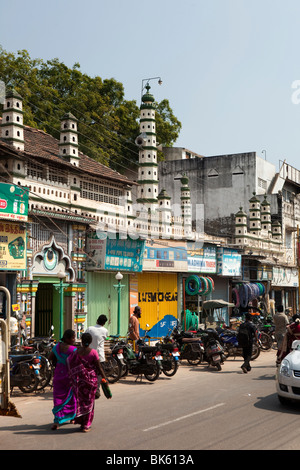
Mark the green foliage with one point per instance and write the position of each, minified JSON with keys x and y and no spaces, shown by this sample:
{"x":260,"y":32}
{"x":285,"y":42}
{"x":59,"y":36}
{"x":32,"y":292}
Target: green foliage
{"x":107,"y":123}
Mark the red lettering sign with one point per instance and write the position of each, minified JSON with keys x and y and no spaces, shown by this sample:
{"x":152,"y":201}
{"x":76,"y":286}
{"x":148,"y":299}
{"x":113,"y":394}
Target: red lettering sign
{"x":3,"y":204}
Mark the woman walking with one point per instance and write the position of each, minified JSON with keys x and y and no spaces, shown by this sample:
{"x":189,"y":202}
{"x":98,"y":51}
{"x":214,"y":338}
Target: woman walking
{"x":63,"y":397}
{"x":84,"y":366}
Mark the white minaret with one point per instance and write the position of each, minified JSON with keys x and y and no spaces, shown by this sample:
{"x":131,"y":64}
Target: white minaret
{"x":68,"y":145}
{"x":241,"y":230}
{"x":164,"y":209}
{"x":147,"y":192}
{"x":12,"y":127}
{"x":186,"y":207}
{"x":254,"y":216}
{"x":266,"y":221}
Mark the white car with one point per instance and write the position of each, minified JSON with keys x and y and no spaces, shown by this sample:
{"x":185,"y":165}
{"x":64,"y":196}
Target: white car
{"x":288,"y":376}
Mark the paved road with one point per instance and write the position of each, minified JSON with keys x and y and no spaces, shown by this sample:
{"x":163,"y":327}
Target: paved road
{"x":199,"y":408}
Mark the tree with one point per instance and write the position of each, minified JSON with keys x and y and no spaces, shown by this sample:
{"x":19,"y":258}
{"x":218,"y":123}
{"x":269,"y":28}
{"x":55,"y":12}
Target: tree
{"x":107,"y":123}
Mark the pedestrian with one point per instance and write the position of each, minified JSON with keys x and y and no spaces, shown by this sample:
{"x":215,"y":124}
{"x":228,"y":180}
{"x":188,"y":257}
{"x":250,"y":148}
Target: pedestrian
{"x":246,"y":335}
{"x":84,"y":366}
{"x":134,"y":324}
{"x":292,"y":334}
{"x":281,"y":321}
{"x":99,"y":334}
{"x":63,"y":398}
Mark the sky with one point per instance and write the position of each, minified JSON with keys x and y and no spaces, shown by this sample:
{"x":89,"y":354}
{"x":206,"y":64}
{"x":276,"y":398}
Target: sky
{"x":230,"y":68}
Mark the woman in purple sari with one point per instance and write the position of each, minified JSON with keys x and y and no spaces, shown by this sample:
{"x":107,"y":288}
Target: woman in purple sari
{"x":63,"y":397}
{"x":84,"y":366}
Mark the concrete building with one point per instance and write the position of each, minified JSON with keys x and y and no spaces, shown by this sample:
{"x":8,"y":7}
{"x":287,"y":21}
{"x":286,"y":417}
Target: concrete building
{"x":266,"y":200}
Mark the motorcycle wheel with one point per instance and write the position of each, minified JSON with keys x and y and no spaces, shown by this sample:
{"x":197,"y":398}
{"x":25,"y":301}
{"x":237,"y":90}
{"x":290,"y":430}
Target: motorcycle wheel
{"x":155,"y":374}
{"x":195,"y":359}
{"x":266,"y":341}
{"x":45,"y":373}
{"x":173,"y":370}
{"x":112,"y":370}
{"x":218,"y":366}
{"x":255,"y":352}
{"x":32,"y":385}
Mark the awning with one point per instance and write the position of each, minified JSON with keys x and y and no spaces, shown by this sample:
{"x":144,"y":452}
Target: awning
{"x":212,"y":304}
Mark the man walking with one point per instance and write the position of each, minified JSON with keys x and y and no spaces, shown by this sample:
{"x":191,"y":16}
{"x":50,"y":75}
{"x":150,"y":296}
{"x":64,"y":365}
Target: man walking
{"x":99,"y":333}
{"x":281,"y":321}
{"x":246,"y":335}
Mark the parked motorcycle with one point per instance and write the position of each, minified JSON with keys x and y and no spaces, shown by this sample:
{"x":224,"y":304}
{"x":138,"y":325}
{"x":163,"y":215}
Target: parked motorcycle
{"x":114,"y":363}
{"x":170,"y":356}
{"x":228,"y":339}
{"x":146,"y":361}
{"x":24,"y":372}
{"x":43,"y":346}
{"x":213,"y":351}
{"x":189,"y":345}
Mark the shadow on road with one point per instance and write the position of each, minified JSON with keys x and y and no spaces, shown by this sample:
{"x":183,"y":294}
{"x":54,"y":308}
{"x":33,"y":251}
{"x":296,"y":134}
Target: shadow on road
{"x":271,"y":403}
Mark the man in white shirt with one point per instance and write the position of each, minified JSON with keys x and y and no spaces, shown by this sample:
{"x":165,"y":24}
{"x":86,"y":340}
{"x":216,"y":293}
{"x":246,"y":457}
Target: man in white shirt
{"x":99,"y":333}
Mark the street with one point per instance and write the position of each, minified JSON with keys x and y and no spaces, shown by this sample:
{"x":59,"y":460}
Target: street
{"x":197,"y":409}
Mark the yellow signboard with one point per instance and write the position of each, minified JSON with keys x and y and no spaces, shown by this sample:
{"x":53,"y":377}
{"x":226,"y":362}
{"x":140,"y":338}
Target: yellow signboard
{"x":12,"y":246}
{"x":158,"y":299}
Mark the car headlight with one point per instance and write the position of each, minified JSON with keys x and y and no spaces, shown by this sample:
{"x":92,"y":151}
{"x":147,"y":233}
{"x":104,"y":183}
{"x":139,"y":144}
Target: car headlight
{"x":285,"y":368}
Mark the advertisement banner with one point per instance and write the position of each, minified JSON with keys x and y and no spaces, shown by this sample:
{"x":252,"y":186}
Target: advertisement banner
{"x":229,"y":262}
{"x":13,"y":202}
{"x":12,"y":247}
{"x":115,"y":254}
{"x":165,"y":256}
{"x":201,"y":258}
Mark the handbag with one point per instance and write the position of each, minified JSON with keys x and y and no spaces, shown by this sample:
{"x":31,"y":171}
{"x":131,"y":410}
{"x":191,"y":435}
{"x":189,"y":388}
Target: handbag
{"x":105,"y":388}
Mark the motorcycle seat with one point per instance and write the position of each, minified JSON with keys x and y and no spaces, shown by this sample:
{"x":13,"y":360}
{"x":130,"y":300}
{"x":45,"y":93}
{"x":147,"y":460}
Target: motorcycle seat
{"x":190,"y":340}
{"x":147,"y":349}
{"x":167,"y":346}
{"x":21,"y":357}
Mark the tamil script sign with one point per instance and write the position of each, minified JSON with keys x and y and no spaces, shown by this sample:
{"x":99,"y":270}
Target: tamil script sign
{"x":13,"y":202}
{"x":114,"y":254}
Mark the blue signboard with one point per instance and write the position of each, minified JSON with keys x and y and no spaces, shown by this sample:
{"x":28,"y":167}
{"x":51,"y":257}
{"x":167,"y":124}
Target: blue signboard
{"x":114,"y":253}
{"x":202,"y":258}
{"x":124,"y":254}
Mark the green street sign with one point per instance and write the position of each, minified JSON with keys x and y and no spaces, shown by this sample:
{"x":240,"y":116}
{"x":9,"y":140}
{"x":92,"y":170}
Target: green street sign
{"x":13,"y":202}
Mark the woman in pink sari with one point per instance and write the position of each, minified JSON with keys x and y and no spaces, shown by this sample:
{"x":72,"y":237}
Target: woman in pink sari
{"x":63,"y":397}
{"x":84,"y":366}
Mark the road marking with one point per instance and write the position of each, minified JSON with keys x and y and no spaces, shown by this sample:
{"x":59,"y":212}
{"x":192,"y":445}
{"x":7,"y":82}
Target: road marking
{"x":184,"y":417}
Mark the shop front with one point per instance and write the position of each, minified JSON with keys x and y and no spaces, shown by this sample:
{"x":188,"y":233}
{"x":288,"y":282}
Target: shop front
{"x":284,"y":288}
{"x":109,"y":255}
{"x":157,"y":289}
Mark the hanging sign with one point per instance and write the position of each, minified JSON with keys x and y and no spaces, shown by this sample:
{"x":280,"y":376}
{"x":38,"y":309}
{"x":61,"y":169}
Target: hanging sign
{"x":12,"y":246}
{"x":13,"y":202}
{"x":201,"y":258}
{"x":114,"y":254}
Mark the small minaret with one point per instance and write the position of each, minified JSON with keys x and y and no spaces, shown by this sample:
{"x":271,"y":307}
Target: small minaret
{"x":164,"y":208}
{"x":266,"y":223}
{"x":147,"y":192}
{"x":276,"y":231}
{"x":186,"y":207}
{"x":12,"y":127}
{"x":68,"y":145}
{"x":254,"y":217}
{"x":241,"y":230}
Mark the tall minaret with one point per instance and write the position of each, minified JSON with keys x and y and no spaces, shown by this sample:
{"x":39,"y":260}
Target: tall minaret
{"x":68,"y":145}
{"x":186,"y":207}
{"x":147,"y":192}
{"x":12,"y":126}
{"x":255,"y":216}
